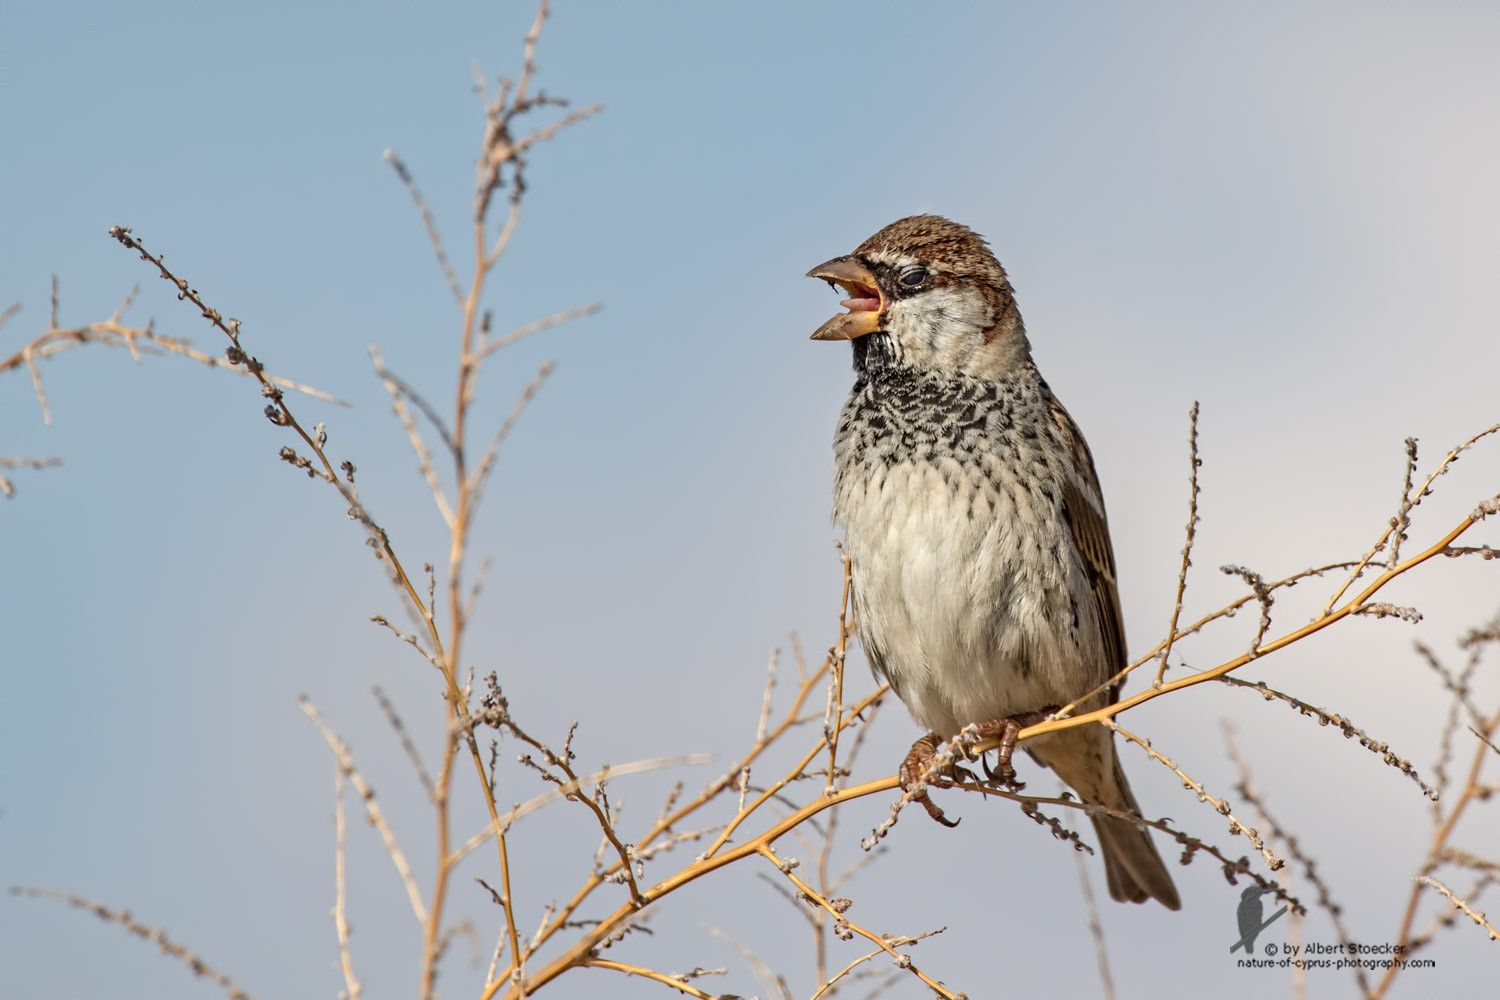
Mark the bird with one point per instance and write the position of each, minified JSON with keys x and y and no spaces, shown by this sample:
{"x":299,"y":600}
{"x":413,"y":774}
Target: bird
{"x":1248,"y":917}
{"x":983,"y":580}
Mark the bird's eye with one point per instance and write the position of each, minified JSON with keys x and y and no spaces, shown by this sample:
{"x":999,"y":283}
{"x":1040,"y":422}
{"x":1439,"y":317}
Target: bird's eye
{"x":913,"y":275}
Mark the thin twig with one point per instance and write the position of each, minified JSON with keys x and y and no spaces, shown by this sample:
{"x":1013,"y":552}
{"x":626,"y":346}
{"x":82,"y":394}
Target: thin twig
{"x":7,"y":462}
{"x":1262,"y":593}
{"x":1096,"y":929}
{"x":1478,"y":918}
{"x":521,"y":333}
{"x":1402,"y":520}
{"x":398,"y":391}
{"x":773,"y":983}
{"x":902,"y":961}
{"x":412,"y":753}
{"x":372,"y":808}
{"x":831,"y":721}
{"x":1221,"y":806}
{"x":352,"y":985}
{"x":433,"y":236}
{"x":487,"y":463}
{"x":112,"y":333}
{"x":155,"y":935}
{"x":1192,"y":532}
{"x":573,"y":787}
{"x":828,"y":988}
{"x":1227,"y":611}
{"x":1349,"y":729}
{"x":678,"y":983}
{"x":1416,"y":499}
{"x":1445,"y":826}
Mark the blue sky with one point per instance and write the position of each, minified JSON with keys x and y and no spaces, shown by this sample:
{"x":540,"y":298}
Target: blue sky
{"x":1286,"y":212}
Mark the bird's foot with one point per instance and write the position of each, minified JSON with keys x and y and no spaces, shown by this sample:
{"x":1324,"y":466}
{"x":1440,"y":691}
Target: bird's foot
{"x":1006,"y":730}
{"x":916,"y":764}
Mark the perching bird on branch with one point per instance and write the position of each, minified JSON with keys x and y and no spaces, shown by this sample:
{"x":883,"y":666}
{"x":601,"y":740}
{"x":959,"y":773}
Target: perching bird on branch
{"x":983,"y":576}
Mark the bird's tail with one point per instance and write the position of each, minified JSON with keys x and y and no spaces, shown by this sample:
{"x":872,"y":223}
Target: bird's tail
{"x":1132,"y":867}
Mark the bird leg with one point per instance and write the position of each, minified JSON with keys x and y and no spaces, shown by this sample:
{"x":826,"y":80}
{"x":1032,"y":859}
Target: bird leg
{"x":1006,"y":730}
{"x":916,"y":764}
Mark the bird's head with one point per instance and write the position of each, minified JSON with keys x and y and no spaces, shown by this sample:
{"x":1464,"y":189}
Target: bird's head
{"x":927,"y":293}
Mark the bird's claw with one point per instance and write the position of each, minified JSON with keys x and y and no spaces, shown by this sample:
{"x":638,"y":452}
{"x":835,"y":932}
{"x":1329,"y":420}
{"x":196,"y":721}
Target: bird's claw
{"x":1004,"y":775}
{"x":1006,"y":730}
{"x":914,"y":767}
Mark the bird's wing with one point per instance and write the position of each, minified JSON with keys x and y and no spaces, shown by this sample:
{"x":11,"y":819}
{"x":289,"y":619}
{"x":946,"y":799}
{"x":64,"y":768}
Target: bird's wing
{"x":1083,"y":509}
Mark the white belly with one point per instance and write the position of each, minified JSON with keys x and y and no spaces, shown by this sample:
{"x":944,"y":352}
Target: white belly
{"x":967,"y":593}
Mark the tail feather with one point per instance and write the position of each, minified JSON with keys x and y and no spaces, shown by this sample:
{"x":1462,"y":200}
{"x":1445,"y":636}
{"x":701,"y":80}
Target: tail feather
{"x":1132,"y":867}
{"x":1085,"y":759}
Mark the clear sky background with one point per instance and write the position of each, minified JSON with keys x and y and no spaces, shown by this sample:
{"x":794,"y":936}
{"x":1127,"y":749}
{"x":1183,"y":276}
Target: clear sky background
{"x":1285,"y":211}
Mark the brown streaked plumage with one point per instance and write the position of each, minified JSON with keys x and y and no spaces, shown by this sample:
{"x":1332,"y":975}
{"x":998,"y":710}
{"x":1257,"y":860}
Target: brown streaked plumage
{"x":983,"y":576}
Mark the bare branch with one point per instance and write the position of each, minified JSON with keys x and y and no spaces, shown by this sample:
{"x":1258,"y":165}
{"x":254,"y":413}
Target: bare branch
{"x":340,"y":918}
{"x":433,"y":236}
{"x":406,"y":744}
{"x":521,"y":333}
{"x":1192,"y":532}
{"x":1478,"y":918}
{"x":372,"y":809}
{"x":145,"y":932}
{"x":399,"y":389}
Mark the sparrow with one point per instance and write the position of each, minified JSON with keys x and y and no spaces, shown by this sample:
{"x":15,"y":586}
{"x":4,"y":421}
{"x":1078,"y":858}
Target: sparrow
{"x":983,"y":579}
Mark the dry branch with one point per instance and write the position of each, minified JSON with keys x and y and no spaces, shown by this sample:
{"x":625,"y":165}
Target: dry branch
{"x":146,"y":932}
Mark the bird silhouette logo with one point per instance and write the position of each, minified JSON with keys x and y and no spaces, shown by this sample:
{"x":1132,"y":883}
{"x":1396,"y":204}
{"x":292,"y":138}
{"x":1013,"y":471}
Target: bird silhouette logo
{"x":1249,"y":915}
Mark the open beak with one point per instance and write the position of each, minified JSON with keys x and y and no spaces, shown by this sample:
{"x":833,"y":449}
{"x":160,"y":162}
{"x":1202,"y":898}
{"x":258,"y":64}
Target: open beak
{"x":865,"y":303}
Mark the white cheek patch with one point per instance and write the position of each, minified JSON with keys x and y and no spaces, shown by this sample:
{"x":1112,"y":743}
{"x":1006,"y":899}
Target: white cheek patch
{"x":941,"y":328}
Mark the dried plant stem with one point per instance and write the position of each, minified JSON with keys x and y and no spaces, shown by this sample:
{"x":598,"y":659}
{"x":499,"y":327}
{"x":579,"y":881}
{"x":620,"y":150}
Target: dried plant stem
{"x":665,"y":823}
{"x":1096,"y":929}
{"x":432,"y":926}
{"x":1222,"y":806}
{"x":136,"y":340}
{"x":1192,"y":532}
{"x":7,"y":462}
{"x":398,"y":392}
{"x":585,"y":946}
{"x":1342,"y":723}
{"x":352,"y":985}
{"x":406,"y":743}
{"x":807,"y":891}
{"x":792,"y":774}
{"x":1399,"y":522}
{"x":572,"y":787}
{"x":596,"y":804}
{"x":828,"y":986}
{"x":521,"y":333}
{"x":1226,"y":611}
{"x":680,"y":985}
{"x":433,"y":235}
{"x":1478,"y":918}
{"x":1471,"y":791}
{"x":1353,"y":606}
{"x":774,"y":984}
{"x":498,"y":152}
{"x":476,"y":484}
{"x":1402,"y":520}
{"x":155,"y":935}
{"x":372,"y":808}
{"x":831,"y":720}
